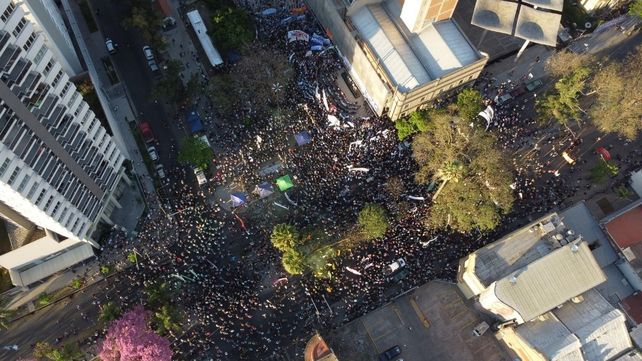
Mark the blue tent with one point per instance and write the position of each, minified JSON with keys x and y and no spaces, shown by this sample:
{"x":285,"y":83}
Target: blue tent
{"x":194,"y":121}
{"x":238,"y":199}
{"x":302,"y":138}
{"x":264,"y":189}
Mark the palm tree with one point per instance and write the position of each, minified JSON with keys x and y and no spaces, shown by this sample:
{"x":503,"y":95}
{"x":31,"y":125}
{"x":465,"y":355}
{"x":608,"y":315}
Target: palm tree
{"x":284,"y":237}
{"x":451,"y":171}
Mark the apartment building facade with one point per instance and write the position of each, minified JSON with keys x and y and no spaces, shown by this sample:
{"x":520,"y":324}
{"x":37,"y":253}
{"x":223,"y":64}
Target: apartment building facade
{"x":60,"y":172}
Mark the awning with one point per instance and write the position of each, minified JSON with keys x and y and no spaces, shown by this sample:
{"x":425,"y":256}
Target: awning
{"x":238,"y":199}
{"x":194,"y":121}
{"x":302,"y":138}
{"x":284,"y":183}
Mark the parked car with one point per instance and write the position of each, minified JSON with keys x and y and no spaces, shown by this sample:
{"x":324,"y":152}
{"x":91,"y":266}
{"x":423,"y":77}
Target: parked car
{"x":149,"y":55}
{"x":152,"y":65}
{"x":390,"y":353}
{"x":396,"y":271}
{"x":146,"y":132}
{"x":111,"y":47}
{"x":160,"y":171}
{"x":533,"y":85}
{"x":503,"y":98}
{"x":153,"y":154}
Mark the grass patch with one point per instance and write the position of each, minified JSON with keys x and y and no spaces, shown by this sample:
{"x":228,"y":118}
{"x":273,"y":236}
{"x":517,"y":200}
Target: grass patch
{"x":89,"y":17}
{"x":44,"y":299}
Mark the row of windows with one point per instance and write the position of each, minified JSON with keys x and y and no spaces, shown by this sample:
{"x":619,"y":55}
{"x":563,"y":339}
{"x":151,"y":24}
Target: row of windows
{"x":30,"y":40}
{"x":6,"y":14}
{"x":18,"y":29}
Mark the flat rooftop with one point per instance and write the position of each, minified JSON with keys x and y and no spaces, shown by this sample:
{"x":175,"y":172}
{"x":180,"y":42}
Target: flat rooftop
{"x":429,"y":323}
{"x":520,"y":248}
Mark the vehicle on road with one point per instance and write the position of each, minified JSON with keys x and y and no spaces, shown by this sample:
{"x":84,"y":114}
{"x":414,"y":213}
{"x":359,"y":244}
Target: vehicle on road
{"x":146,"y":132}
{"x":149,"y":56}
{"x":200,"y":176}
{"x":397,"y":270}
{"x":502,"y":99}
{"x":390,"y":353}
{"x":534,"y":85}
{"x":153,"y":154}
{"x":111,"y":47}
{"x":160,"y":171}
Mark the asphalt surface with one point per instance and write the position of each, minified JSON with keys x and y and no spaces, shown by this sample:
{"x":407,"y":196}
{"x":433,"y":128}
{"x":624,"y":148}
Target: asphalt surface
{"x":132,"y":69}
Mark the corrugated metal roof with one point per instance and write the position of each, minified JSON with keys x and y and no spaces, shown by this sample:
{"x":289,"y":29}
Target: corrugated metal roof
{"x":443,"y":48}
{"x":549,"y":336}
{"x":401,"y":63}
{"x":550,"y":281}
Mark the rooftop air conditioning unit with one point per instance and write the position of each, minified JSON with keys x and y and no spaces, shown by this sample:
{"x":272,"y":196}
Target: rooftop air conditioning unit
{"x":578,"y":299}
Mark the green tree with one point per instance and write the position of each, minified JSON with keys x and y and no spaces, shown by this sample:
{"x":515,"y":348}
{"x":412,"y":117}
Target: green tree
{"x":76,"y":283}
{"x":67,"y":352}
{"x":602,"y":171}
{"x":469,"y":104}
{"x":105,"y":270}
{"x":474,"y":175}
{"x":285,"y":237}
{"x":232,"y":28}
{"x":563,"y":63}
{"x":635,"y":8}
{"x":618,"y":88}
{"x":373,"y":221}
{"x":109,"y":311}
{"x":563,"y":104}
{"x":166,"y":320}
{"x":132,"y":257}
{"x":44,"y":299}
{"x":293,"y":262}
{"x":159,"y":294}
{"x":5,"y":317}
{"x":171,"y":86}
{"x":195,"y":152}
{"x":418,"y":121}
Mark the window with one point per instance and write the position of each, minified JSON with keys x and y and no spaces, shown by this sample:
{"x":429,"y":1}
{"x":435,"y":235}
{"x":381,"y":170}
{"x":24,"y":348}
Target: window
{"x":40,"y":54}
{"x":40,"y":196}
{"x":63,"y":214}
{"x":56,"y":79}
{"x":32,"y":190}
{"x":4,"y":167}
{"x":55,"y":208}
{"x":49,"y":201}
{"x":7,"y":12}
{"x":48,"y":67}
{"x":27,"y":45}
{"x":65,"y":89}
{"x":23,"y":182}
{"x":21,"y":25}
{"x":14,"y":175}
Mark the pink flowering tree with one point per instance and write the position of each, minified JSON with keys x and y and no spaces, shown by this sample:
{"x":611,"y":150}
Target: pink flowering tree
{"x":130,"y":339}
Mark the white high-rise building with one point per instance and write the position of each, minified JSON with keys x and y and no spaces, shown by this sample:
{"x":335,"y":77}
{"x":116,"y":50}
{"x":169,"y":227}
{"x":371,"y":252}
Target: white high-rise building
{"x":60,"y":172}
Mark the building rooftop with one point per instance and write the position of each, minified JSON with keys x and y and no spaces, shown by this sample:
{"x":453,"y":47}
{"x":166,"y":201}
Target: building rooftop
{"x":550,"y":281}
{"x":519,"y":248}
{"x":429,"y":323}
{"x":589,"y":329}
{"x":625,"y":228}
{"x":410,"y":59}
{"x":632,"y":305}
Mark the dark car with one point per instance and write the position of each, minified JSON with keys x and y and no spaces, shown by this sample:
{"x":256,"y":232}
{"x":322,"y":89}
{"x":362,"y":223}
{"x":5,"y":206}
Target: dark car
{"x":390,"y":353}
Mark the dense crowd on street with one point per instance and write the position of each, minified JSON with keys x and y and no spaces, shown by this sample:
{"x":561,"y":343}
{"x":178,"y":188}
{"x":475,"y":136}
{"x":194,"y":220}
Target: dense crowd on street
{"x":236,"y":299}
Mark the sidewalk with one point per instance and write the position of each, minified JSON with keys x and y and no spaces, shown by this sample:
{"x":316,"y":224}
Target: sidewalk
{"x":180,"y":46}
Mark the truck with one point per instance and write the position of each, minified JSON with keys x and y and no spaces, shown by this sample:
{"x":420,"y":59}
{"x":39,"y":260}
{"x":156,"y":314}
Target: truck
{"x":146,"y":132}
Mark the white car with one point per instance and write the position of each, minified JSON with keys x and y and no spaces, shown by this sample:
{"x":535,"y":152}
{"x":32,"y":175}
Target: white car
{"x":148,"y":52}
{"x":153,"y":154}
{"x":200,"y":176}
{"x":397,"y":265}
{"x":111,"y":47}
{"x":160,"y":171}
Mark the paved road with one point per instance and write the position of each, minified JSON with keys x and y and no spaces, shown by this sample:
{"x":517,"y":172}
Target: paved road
{"x":132,"y":69}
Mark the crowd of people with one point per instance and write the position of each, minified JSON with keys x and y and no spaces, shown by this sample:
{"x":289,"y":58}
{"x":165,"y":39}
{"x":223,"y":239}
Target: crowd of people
{"x":236,"y":300}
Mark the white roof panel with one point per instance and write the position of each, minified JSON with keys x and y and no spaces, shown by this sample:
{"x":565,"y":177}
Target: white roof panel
{"x":71,"y":256}
{"x":443,"y":48}
{"x":398,"y":59}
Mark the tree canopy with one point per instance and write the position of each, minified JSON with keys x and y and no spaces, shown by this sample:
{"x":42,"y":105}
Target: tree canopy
{"x":373,"y":221}
{"x":635,"y":8}
{"x":130,"y":339}
{"x":293,"y":262}
{"x":563,"y":104}
{"x":618,"y":89}
{"x":469,"y":103}
{"x":474,"y":175}
{"x":416,"y":122}
{"x":564,"y":63}
{"x":284,"y":237}
{"x":195,"y":152}
{"x":232,"y":27}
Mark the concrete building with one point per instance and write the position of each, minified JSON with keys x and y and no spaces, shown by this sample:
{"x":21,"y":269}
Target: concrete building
{"x":401,"y":54}
{"x":47,"y":19}
{"x":553,"y":286}
{"x":60,"y":172}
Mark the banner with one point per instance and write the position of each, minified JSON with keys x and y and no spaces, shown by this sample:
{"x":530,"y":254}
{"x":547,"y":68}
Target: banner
{"x":294,"y":35}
